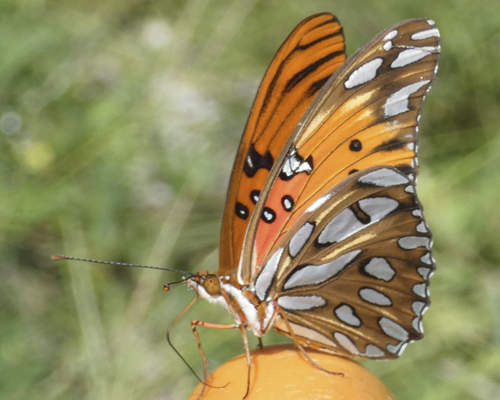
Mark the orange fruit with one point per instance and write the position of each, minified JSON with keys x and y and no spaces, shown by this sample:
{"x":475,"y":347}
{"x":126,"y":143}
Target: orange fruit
{"x":282,"y":372}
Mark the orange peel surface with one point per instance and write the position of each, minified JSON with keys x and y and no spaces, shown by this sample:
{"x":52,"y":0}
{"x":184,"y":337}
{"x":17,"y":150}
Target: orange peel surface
{"x":282,"y":372}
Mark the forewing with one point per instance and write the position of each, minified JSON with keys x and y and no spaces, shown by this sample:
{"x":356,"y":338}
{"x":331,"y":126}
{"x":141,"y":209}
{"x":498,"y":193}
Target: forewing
{"x":366,"y":115}
{"x":306,"y":60}
{"x":352,"y":274}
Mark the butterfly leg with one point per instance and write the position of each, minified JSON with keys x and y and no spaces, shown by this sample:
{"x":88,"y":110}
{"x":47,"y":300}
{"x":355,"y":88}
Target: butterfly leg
{"x":249,"y":361}
{"x":211,"y":325}
{"x":296,"y":342}
{"x":241,"y":327}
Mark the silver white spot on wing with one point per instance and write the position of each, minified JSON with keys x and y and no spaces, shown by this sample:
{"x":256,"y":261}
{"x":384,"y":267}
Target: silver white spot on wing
{"x":249,"y":162}
{"x":341,"y":226}
{"x":295,"y":164}
{"x":393,"y":329}
{"x":418,"y":307}
{"x":315,"y":274}
{"x":318,"y":203}
{"x":373,"y":351}
{"x":301,"y":302}
{"x":345,"y":223}
{"x":373,"y":296}
{"x":287,"y":203}
{"x":268,"y":216}
{"x":398,"y":348}
{"x":300,"y":238}
{"x":379,"y":268}
{"x":378,"y":207}
{"x":422,"y":228}
{"x":364,"y":73}
{"x":391,"y":35}
{"x":409,"y":189}
{"x":420,"y":289}
{"x":403,"y":347}
{"x":424,"y":272}
{"x":346,"y":343}
{"x":417,"y":213}
{"x":398,"y":102}
{"x":387,"y":45}
{"x":409,"y":56}
{"x":412,"y":242}
{"x":415,"y":323}
{"x":383,"y":177}
{"x":433,"y":32}
{"x":346,"y":314}
{"x":304,"y":332}
{"x":426,"y":258}
{"x":266,"y":274}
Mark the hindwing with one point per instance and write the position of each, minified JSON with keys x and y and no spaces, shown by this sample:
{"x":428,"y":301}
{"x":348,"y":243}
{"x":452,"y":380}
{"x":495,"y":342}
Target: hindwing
{"x":351,"y":276}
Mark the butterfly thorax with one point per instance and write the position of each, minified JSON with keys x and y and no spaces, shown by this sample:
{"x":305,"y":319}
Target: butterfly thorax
{"x":241,"y":302}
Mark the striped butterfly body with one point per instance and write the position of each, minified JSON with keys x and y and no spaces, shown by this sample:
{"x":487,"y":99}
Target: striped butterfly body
{"x":323,"y":238}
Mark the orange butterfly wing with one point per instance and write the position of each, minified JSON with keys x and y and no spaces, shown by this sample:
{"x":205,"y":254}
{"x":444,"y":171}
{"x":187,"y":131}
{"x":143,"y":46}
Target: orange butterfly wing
{"x":367,"y":114}
{"x":306,"y":60}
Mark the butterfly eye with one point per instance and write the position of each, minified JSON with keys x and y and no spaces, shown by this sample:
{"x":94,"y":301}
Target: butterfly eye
{"x":212,"y":285}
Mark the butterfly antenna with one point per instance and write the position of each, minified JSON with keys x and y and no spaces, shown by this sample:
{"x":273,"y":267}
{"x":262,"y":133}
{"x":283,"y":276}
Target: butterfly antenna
{"x":166,"y":286}
{"x":58,"y":257}
{"x":169,"y":330}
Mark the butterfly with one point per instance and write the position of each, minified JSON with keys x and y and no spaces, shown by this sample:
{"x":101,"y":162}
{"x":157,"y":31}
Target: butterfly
{"x":323,"y":237}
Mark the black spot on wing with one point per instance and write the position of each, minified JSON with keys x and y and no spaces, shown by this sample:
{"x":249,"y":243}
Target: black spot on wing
{"x":254,"y":196}
{"x":241,"y":211}
{"x":355,"y":145}
{"x":256,"y":161}
{"x":287,"y":202}
{"x":268,"y":215}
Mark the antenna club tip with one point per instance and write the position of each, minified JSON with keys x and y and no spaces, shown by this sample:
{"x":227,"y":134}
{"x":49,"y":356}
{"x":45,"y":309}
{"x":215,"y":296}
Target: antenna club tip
{"x":58,"y":257}
{"x":166,"y":288}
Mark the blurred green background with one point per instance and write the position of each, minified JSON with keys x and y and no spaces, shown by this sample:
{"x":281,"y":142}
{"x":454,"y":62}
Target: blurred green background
{"x":119,"y":122}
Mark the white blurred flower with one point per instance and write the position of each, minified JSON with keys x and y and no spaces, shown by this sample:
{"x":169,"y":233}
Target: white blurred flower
{"x":156,"y":34}
{"x":185,"y":107}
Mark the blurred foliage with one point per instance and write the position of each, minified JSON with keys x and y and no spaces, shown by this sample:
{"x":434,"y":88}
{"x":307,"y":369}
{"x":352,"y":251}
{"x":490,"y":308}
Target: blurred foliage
{"x":119,"y":122}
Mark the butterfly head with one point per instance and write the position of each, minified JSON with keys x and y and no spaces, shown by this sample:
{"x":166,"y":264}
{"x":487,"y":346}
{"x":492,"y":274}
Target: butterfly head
{"x":210,"y":283}
{"x":206,"y":285}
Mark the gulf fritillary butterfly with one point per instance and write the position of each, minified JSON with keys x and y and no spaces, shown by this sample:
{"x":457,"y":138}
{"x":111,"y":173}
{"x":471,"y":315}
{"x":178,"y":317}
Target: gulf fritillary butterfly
{"x":323,"y":238}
